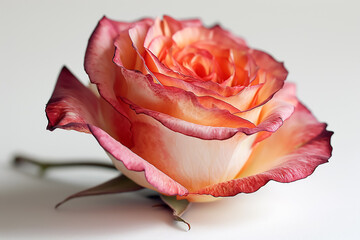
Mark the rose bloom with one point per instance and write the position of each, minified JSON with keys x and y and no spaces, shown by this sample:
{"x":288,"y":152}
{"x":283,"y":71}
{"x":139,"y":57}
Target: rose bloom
{"x":188,"y":110}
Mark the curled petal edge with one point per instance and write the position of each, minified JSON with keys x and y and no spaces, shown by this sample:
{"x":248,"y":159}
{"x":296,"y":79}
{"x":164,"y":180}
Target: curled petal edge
{"x":298,"y":164}
{"x":271,"y":124}
{"x":163,"y":183}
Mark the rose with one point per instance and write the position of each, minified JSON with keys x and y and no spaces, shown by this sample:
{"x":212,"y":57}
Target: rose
{"x":188,"y":110}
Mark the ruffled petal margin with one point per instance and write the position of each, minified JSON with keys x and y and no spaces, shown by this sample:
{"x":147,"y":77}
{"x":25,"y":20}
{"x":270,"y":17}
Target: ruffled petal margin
{"x":75,"y":107}
{"x":290,"y":154}
{"x":158,"y":180}
{"x":182,"y":112}
{"x":66,"y":108}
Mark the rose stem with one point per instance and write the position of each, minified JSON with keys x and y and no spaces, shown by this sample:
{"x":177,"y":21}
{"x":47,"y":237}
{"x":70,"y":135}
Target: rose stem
{"x":19,"y":160}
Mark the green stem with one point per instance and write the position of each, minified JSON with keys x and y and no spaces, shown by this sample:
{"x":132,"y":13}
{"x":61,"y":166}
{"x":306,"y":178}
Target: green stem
{"x":20,"y":160}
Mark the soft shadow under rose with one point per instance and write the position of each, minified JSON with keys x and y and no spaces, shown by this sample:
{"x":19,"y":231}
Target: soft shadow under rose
{"x":188,"y":110}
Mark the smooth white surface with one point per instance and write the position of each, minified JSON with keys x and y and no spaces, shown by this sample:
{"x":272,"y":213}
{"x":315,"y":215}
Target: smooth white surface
{"x":319,"y":43}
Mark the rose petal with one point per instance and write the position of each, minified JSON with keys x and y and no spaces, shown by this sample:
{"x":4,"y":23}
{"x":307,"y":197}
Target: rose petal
{"x":166,"y":27}
{"x":158,"y":47}
{"x":73,"y":106}
{"x":290,"y":154}
{"x":181,"y":112}
{"x":66,"y":107}
{"x":269,"y":65}
{"x":202,"y":88}
{"x":210,"y":102}
{"x":167,"y":104}
{"x":242,"y":98}
{"x":270,"y":79}
{"x":239,"y":42}
{"x":175,"y":25}
{"x":176,"y":78}
{"x":190,"y":35}
{"x":122,"y":155}
{"x":271,"y":115}
{"x":99,"y":54}
{"x":192,"y":162}
{"x":268,"y":117}
{"x":125,"y":54}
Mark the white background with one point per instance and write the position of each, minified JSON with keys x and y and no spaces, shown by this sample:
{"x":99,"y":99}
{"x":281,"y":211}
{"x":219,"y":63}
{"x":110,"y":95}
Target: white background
{"x":319,"y":43}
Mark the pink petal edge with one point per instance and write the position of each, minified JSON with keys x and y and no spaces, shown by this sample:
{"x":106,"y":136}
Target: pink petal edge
{"x":74,"y":107}
{"x":133,"y":162}
{"x":297,"y":165}
{"x":271,"y":124}
{"x":65,"y":108}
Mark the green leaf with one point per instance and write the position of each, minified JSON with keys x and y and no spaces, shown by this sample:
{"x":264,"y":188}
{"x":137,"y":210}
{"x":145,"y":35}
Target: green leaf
{"x":177,"y":206}
{"x":119,"y":184}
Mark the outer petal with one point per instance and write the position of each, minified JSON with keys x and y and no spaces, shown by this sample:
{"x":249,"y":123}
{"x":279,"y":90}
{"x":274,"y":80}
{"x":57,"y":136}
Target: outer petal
{"x":122,"y":156}
{"x":290,"y":154}
{"x":190,"y":161}
{"x":99,"y":54}
{"x":73,"y":106}
{"x":66,"y":107}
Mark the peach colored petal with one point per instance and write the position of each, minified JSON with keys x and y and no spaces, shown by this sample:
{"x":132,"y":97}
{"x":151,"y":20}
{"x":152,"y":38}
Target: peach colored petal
{"x":159,"y":46}
{"x":188,"y":36}
{"x":241,"y":97}
{"x":242,"y":100}
{"x":156,"y":30}
{"x":176,"y":79}
{"x":125,"y":53}
{"x":269,"y":65}
{"x":157,"y":100}
{"x":271,"y":115}
{"x":216,"y":35}
{"x":290,"y":154}
{"x":192,"y":162}
{"x":137,"y":35}
{"x":244,"y":68}
{"x":172,"y":67}
{"x":269,"y":80}
{"x":210,"y":102}
{"x":268,"y":119}
{"x":237,"y":41}
{"x":174,"y":25}
{"x":75,"y":107}
{"x":181,"y":112}
{"x":168,"y":26}
{"x":125,"y":157}
{"x":285,"y":96}
{"x":98,"y":58}
{"x":72,"y":106}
